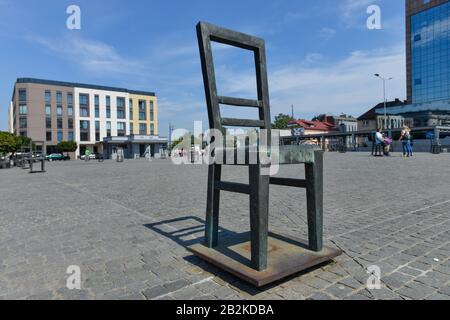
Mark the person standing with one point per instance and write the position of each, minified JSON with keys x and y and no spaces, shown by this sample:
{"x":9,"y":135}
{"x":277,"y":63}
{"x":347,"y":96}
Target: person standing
{"x":379,"y":137}
{"x":406,"y":140}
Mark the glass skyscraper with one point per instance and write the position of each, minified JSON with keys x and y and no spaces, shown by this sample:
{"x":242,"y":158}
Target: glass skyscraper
{"x":430,"y":54}
{"x":428,"y":26}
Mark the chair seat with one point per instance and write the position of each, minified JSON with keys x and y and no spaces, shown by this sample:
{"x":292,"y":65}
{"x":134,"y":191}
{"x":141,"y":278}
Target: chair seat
{"x":298,"y":154}
{"x":286,"y":155}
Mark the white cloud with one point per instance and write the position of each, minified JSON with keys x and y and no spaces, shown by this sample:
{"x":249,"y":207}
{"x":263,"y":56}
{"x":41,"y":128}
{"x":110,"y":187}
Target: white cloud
{"x":347,"y":85}
{"x":92,"y":55}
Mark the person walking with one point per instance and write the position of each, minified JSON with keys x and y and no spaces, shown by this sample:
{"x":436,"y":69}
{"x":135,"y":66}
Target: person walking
{"x":406,"y":140}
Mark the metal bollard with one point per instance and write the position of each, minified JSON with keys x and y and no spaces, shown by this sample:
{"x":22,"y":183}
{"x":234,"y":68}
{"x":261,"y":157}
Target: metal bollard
{"x":42,"y":161}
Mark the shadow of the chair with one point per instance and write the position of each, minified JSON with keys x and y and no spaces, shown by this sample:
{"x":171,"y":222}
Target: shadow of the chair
{"x":171,"y":229}
{"x":195,"y":234}
{"x":188,"y":231}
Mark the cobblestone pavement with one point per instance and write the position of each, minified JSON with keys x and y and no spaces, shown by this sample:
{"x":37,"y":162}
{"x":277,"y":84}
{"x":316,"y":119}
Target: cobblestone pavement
{"x":127,"y":226}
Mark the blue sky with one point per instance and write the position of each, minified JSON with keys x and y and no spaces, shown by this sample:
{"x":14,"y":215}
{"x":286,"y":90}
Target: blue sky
{"x":321,"y":56}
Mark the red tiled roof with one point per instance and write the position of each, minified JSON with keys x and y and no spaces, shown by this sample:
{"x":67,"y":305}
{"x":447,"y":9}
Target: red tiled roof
{"x":313,"y":125}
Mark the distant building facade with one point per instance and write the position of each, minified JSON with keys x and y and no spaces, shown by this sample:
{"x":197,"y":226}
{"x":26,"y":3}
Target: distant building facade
{"x":55,"y":111}
{"x":343,"y":123}
{"x":374,"y":118}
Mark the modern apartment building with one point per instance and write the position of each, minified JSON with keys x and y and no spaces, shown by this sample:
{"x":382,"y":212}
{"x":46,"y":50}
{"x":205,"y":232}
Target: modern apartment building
{"x":55,"y":111}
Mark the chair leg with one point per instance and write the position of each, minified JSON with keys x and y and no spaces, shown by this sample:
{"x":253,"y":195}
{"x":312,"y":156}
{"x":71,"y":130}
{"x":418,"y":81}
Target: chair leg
{"x":212,"y":206}
{"x":259,"y":216}
{"x":314,"y":198}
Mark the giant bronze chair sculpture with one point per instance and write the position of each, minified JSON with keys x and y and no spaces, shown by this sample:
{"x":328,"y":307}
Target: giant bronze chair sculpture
{"x":268,"y":257}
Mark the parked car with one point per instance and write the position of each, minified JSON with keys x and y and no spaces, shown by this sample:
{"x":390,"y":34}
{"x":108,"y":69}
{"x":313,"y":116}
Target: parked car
{"x":92,"y":156}
{"x":57,"y":157}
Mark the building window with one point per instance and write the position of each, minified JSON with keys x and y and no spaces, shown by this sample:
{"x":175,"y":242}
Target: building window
{"x":131,"y":128}
{"x":84,"y":99}
{"x":48,"y":97}
{"x":59,"y":111}
{"x":60,"y":136}
{"x":97,"y":106}
{"x":97,"y":131}
{"x":142,"y":128}
{"x":58,"y":98}
{"x":108,"y":107}
{"x":108,"y":129}
{"x":152,"y":112}
{"x":84,"y":125}
{"x":59,"y":123}
{"x":152,"y":129}
{"x":23,"y":133}
{"x":131,"y":109}
{"x":23,"y":111}
{"x":23,"y":123}
{"x":120,"y":108}
{"x":84,"y":105}
{"x":121,"y":131}
{"x":48,"y":136}
{"x":142,"y":110}
{"x":70,"y":136}
{"x":48,"y":110}
{"x":70,"y":99}
{"x":84,"y":130}
{"x":22,"y":95}
{"x":70,"y":123}
{"x":69,"y":105}
{"x":120,"y":102}
{"x":48,"y":123}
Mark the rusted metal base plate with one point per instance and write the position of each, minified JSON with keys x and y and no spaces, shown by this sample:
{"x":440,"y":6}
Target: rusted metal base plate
{"x":287,"y":256}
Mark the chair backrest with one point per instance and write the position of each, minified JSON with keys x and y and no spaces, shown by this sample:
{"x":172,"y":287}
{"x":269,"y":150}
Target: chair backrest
{"x":208,"y":33}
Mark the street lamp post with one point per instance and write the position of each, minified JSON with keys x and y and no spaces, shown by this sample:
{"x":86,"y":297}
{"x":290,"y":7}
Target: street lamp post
{"x":384,"y":97}
{"x":171,"y":128}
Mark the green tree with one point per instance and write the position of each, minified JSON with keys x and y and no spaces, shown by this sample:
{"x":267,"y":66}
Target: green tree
{"x":67,"y":146}
{"x":282,"y":121}
{"x":10,"y":143}
{"x":175,"y":143}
